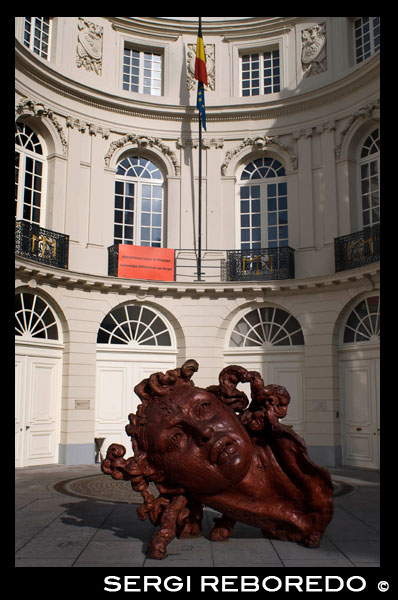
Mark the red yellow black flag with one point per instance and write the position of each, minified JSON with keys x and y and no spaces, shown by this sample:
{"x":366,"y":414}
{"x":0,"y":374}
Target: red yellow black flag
{"x":201,"y":75}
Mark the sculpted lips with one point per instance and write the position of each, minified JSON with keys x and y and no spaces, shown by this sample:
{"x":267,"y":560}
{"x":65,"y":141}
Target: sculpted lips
{"x":223,"y":450}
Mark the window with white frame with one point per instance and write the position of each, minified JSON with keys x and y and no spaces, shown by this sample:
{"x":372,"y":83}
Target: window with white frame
{"x":34,"y":318}
{"x":369,"y":168}
{"x":36,"y":35}
{"x":263,"y":205}
{"x":260,"y":73}
{"x":142,"y":71}
{"x":363,"y":323}
{"x":366,"y":37}
{"x":138,"y":216}
{"x":134,"y":325}
{"x":29,"y":167}
{"x":268,"y":326}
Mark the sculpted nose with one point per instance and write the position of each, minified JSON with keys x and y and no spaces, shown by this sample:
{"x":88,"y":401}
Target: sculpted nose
{"x":203,"y":435}
{"x":201,"y":432}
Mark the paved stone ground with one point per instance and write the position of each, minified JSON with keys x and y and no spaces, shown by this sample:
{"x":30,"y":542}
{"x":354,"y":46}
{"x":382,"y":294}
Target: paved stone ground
{"x":57,"y":529}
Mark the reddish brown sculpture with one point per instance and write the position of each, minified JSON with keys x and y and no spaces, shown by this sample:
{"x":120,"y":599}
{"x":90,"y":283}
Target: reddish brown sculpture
{"x":211,"y":447}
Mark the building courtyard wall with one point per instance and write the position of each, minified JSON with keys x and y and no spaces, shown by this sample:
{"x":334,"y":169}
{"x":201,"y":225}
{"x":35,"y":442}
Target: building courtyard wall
{"x":314,"y":127}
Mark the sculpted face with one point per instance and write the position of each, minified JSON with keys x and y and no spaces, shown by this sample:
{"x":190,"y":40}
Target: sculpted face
{"x":279,"y":398}
{"x":197,"y":441}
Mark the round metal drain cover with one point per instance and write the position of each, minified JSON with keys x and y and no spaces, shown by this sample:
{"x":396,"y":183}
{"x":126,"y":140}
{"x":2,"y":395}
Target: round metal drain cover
{"x":103,"y":487}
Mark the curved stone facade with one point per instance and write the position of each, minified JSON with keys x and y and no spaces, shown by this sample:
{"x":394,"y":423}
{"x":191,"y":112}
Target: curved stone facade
{"x":315,"y":126}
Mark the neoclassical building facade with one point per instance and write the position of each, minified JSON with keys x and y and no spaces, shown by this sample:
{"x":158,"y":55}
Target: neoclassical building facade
{"x":107,"y":154}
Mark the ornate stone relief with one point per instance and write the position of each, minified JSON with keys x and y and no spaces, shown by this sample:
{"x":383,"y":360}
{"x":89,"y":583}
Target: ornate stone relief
{"x":194,"y":143}
{"x":89,"y":46}
{"x":210,"y":65}
{"x":37,"y":109}
{"x":367,"y":112}
{"x":83,"y":127}
{"x":259,"y":143}
{"x":313,"y":50}
{"x":315,"y":130}
{"x":143,"y":142}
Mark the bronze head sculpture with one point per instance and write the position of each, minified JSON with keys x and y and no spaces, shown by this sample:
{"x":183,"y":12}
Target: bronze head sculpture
{"x":211,"y":447}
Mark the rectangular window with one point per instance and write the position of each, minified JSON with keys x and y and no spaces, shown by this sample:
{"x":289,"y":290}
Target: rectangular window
{"x":260,"y":73}
{"x":142,"y":72}
{"x":277,"y":215}
{"x":123,"y":229}
{"x":366,"y":37}
{"x":37,"y":35}
{"x":250,"y":217}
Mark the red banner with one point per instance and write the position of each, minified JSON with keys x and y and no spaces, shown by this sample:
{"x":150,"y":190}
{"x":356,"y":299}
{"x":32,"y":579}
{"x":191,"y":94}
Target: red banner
{"x":146,"y":262}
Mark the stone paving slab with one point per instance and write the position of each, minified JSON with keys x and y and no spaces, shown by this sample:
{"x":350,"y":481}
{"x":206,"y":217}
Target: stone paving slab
{"x":238,"y":551}
{"x":57,"y":529}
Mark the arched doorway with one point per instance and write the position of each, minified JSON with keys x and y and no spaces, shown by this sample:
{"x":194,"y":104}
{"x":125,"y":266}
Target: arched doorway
{"x":133,"y":342}
{"x":359,"y":360}
{"x":38,"y":373}
{"x":270,"y":340}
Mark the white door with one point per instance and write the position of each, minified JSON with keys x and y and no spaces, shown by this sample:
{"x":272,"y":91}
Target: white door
{"x":289,"y":373}
{"x":118,"y":372}
{"x":37,"y":406}
{"x":280,"y":368}
{"x":360,"y":412}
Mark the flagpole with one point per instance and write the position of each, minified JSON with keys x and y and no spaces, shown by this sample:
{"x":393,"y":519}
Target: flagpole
{"x":199,"y":261}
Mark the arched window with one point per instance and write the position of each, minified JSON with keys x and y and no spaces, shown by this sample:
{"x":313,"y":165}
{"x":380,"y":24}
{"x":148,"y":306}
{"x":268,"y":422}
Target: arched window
{"x":363,"y":324}
{"x":139,"y":203}
{"x":34,"y":318}
{"x":263,"y":205}
{"x":268,"y":326}
{"x":29,"y":167}
{"x":136,"y":326}
{"x":369,"y":166}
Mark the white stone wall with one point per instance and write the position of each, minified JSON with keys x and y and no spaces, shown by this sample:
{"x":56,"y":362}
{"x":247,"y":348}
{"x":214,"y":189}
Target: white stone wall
{"x":314,"y":126}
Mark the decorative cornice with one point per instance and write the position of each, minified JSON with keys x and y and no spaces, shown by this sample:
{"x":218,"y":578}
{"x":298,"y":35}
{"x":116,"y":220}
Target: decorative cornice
{"x":142,"y":142}
{"x":172,"y":29}
{"x":37,"y":109}
{"x":64,"y":86}
{"x":259,"y":143}
{"x":43,"y":274}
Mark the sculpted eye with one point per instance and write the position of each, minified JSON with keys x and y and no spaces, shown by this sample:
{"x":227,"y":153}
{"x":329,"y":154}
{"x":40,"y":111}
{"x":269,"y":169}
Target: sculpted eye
{"x":203,"y":410}
{"x":176,"y":440}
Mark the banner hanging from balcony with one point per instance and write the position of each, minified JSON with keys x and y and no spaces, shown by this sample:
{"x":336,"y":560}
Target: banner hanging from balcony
{"x":146,"y":262}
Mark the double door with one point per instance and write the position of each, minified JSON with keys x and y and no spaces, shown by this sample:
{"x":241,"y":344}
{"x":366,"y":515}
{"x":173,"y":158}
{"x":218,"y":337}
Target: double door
{"x":118,"y":373}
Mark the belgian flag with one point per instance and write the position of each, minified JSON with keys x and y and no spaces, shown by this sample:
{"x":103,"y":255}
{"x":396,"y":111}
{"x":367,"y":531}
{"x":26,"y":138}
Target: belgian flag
{"x":201,"y":75}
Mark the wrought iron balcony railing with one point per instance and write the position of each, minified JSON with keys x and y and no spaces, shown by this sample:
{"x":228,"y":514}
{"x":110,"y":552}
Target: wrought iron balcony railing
{"x":42,"y":245}
{"x":259,"y":264}
{"x":225,"y":265}
{"x":357,"y":249}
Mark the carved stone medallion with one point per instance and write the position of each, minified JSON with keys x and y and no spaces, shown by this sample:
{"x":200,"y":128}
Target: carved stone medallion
{"x":313,"y":50}
{"x":210,"y":65}
{"x":89,"y":46}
